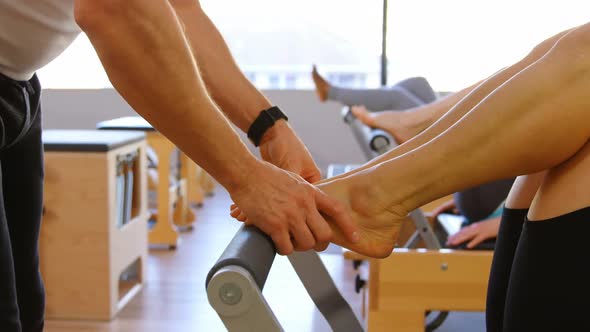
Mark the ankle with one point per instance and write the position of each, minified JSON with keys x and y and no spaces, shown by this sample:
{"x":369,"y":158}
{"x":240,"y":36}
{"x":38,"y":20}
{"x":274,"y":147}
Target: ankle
{"x":379,"y":196}
{"x":368,"y":195}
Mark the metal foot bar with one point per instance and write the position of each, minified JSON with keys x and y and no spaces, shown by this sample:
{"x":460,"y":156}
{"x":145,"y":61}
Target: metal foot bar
{"x":234,"y":286}
{"x":323,"y":291}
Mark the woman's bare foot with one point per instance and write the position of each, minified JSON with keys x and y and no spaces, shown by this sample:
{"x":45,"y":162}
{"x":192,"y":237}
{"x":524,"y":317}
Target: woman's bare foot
{"x":322,"y":87}
{"x":378,"y":225}
{"x":400,"y":124}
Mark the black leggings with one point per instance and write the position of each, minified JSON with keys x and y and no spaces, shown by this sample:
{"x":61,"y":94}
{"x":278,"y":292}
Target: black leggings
{"x":548,"y":284}
{"x":21,"y":178}
{"x":506,"y":243}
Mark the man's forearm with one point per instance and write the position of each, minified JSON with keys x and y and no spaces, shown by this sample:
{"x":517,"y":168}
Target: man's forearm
{"x":237,"y":97}
{"x":147,"y":58}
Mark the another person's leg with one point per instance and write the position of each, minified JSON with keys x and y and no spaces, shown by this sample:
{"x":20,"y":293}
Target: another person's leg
{"x":389,"y":98}
{"x":403,"y":125}
{"x":517,"y":205}
{"x":420,"y":88}
{"x":22,"y":167}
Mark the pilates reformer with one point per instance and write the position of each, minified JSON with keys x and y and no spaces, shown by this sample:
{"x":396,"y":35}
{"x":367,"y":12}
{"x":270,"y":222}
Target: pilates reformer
{"x":235,"y":283}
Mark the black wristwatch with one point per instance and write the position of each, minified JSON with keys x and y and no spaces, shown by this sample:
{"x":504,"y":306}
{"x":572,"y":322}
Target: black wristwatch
{"x":265,"y":120}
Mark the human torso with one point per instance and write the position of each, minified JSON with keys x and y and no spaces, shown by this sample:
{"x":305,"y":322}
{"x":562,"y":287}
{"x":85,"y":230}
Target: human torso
{"x":32,"y":33}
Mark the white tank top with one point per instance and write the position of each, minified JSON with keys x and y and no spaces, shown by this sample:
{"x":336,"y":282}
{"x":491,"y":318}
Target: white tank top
{"x":32,"y":33}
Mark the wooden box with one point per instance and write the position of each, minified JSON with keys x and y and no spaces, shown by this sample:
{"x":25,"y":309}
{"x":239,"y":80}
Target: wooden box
{"x":92,"y":261}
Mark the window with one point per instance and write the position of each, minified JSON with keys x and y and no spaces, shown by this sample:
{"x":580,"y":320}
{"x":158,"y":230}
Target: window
{"x":286,"y":37}
{"x":274,"y":42}
{"x":291,"y":81}
{"x":348,"y":79}
{"x":455,"y":43}
{"x":274,"y":81}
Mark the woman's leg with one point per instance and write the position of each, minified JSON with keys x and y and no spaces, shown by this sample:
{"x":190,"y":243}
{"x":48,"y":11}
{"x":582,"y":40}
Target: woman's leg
{"x":517,"y":205}
{"x":548,"y":288}
{"x":419,"y":87}
{"x":388,"y":98}
{"x":454,"y":107}
{"x":528,"y":124}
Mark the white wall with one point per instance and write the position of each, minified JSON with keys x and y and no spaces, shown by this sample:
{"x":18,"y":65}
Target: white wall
{"x":319,"y":125}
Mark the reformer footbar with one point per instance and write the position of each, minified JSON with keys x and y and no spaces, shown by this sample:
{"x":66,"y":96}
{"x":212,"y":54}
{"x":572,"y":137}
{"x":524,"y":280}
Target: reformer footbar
{"x":235,"y":283}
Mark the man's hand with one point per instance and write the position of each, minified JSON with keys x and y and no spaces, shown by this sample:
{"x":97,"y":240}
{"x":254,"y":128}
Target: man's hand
{"x":476,"y":233}
{"x":290,"y":210}
{"x":281,"y":147}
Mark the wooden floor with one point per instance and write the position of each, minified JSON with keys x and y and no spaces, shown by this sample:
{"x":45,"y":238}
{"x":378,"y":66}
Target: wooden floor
{"x":174,"y":298}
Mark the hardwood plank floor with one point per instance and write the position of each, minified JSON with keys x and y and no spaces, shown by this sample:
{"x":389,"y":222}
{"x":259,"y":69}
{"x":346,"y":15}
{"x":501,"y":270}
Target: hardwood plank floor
{"x":174,"y":297}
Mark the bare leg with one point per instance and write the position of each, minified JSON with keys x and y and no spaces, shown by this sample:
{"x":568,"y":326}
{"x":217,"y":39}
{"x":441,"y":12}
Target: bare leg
{"x":566,"y":188}
{"x":528,"y":124}
{"x":547,"y":118}
{"x":457,"y":105}
{"x":524,"y":190}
